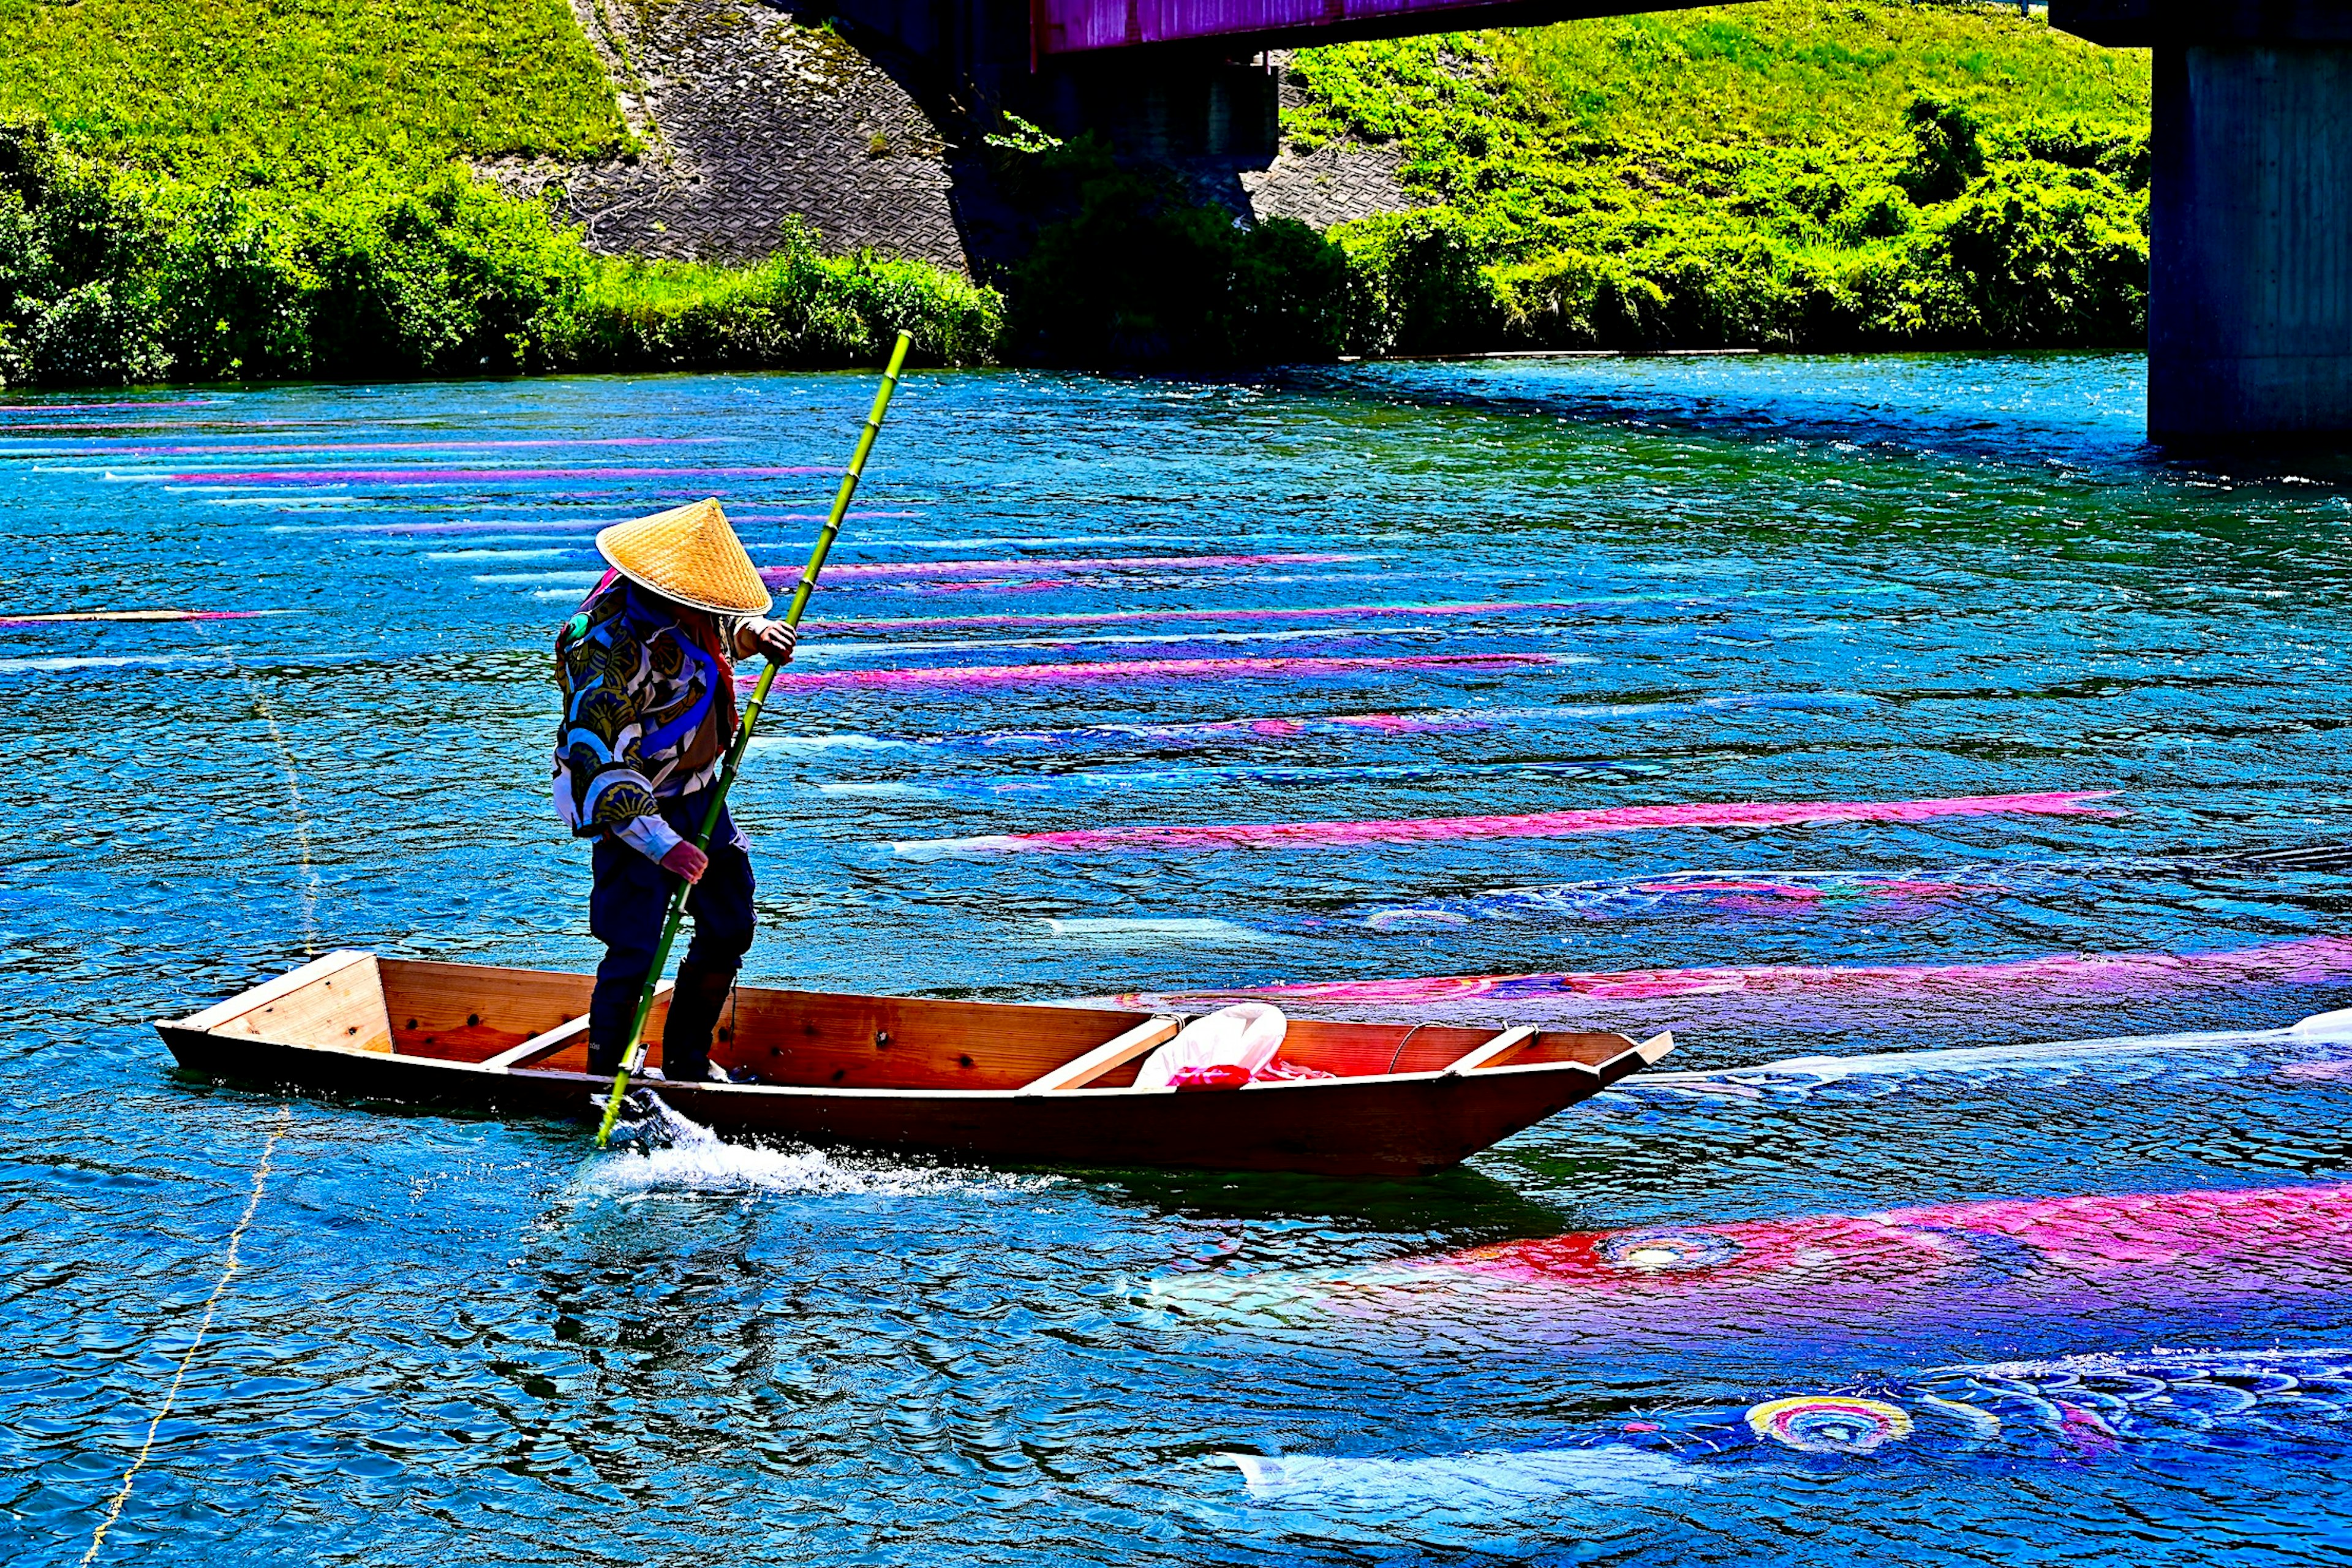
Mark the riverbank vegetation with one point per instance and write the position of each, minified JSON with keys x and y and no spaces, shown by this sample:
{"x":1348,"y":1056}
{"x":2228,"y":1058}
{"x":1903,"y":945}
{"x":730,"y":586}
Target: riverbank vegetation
{"x":238,"y":189}
{"x":1769,"y":175}
{"x":259,"y":91}
{"x":113,"y":275}
{"x":1776,"y":175}
{"x":206,"y":189}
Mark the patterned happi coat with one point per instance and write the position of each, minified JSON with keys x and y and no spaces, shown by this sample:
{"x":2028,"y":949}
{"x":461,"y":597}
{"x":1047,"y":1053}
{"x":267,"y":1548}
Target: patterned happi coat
{"x":648,"y":707}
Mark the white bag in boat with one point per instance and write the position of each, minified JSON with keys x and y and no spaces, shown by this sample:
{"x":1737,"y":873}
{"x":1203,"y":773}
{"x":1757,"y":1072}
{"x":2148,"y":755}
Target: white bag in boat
{"x":1244,"y":1036}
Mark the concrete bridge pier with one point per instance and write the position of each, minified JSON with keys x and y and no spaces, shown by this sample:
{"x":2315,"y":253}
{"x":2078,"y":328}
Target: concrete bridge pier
{"x":2249,"y":285}
{"x":2250,"y":230}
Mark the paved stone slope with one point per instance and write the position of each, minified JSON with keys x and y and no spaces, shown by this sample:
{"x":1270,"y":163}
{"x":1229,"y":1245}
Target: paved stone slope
{"x":747,"y":117}
{"x":1337,"y":181}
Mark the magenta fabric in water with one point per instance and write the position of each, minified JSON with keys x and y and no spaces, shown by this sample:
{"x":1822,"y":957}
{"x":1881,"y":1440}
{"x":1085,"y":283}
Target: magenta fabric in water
{"x":1542,"y":824}
{"x":1117,"y":617}
{"x":427,"y":474}
{"x":200,"y":450}
{"x":85,"y":407}
{"x":1114,"y":671}
{"x":876,"y":569}
{"x":2303,"y":961}
{"x":2275,"y":1232}
{"x":1851,"y":1275}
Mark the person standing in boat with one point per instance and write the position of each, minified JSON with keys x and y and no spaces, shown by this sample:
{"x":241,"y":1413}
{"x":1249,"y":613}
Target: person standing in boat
{"x":649,"y":683}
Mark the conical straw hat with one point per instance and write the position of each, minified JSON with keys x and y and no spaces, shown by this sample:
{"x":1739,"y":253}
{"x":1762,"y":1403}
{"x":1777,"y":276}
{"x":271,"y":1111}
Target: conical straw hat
{"x":690,"y":554}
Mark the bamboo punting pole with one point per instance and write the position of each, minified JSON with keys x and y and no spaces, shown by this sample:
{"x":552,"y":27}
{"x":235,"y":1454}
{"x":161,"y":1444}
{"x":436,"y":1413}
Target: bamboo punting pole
{"x":632,"y":1060}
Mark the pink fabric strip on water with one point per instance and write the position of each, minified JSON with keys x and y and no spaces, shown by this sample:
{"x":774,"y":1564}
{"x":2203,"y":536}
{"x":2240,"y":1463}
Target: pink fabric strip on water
{"x":2305,"y":960}
{"x":198,"y":450}
{"x":425,"y":474}
{"x":1083,"y":563}
{"x":1112,"y":671}
{"x":85,"y":407}
{"x":1115,"y":617}
{"x":513,"y":525}
{"x":1545,"y":824}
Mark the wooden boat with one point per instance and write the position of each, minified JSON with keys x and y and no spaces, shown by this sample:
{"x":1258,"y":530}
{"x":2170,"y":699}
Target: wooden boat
{"x":988,"y":1081}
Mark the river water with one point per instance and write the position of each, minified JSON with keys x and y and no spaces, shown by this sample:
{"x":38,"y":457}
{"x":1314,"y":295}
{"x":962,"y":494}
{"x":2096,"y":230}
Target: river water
{"x":1075,"y":610}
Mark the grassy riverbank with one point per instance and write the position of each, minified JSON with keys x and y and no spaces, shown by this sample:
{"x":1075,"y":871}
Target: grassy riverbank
{"x":1774,"y":174}
{"x":260,"y":90}
{"x":1766,"y":175}
{"x":240,"y":189}
{"x":232,"y":188}
{"x":110,"y":274}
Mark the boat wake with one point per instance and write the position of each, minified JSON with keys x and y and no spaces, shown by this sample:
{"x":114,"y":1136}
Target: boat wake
{"x":2219,"y":1053}
{"x":658,"y":1150}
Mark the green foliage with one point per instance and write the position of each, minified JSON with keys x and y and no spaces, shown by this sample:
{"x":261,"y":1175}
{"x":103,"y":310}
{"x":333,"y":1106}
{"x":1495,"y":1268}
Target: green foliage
{"x":1869,"y":175}
{"x":1945,"y":155}
{"x":1022,"y":136}
{"x":1786,"y":73}
{"x":2033,"y":256}
{"x":114,"y":275}
{"x":288,"y":87}
{"x":799,"y":306}
{"x":1136,"y":275}
{"x":1420,"y":286}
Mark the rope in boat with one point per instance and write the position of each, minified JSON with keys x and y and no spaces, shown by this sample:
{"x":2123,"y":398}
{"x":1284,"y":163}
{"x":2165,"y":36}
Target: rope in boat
{"x":310,"y":883}
{"x":203,"y":1326}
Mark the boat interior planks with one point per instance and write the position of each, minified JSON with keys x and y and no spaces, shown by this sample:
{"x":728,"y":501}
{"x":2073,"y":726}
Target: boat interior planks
{"x":1009,"y":1083}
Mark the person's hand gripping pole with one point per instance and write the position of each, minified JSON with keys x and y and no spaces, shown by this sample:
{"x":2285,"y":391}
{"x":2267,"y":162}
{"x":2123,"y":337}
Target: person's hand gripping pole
{"x":632,"y":1060}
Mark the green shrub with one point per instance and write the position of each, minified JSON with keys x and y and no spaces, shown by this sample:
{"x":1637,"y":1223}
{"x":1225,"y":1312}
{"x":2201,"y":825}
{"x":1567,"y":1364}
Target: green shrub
{"x":79,"y":300}
{"x":1880,"y":214}
{"x":453,"y":279}
{"x":1420,"y":286}
{"x":797,"y":308}
{"x":1669,"y":181}
{"x":2026,"y":259}
{"x":1945,"y":153}
{"x":1568,"y":299}
{"x":2122,"y":155}
{"x":235,"y":289}
{"x":107,"y":276}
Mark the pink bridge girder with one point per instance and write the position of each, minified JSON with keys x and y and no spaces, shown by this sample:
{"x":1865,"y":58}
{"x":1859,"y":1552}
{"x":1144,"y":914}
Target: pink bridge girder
{"x":1076,"y":27}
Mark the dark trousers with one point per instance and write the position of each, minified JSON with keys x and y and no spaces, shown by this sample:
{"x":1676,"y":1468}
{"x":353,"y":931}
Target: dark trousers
{"x":625,"y":912}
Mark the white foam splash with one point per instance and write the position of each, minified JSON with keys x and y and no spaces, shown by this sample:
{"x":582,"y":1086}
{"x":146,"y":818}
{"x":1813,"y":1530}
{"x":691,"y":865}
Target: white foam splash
{"x":669,"y":1152}
{"x":94,"y":661}
{"x":2333,"y":1027}
{"x":1143,"y":932}
{"x":1458,"y":1481}
{"x":827,"y":743}
{"x":2320,"y":1029}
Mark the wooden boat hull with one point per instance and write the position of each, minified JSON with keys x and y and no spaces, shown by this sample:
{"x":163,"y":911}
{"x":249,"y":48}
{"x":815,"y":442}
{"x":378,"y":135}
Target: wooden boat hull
{"x":889,"y":1073}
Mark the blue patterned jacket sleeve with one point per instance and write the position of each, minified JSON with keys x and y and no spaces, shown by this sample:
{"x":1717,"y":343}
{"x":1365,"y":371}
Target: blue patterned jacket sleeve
{"x":599,"y":770}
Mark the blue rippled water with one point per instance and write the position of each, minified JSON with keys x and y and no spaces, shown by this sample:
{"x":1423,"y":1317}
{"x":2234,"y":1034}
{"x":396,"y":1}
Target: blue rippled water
{"x":1764,"y":580}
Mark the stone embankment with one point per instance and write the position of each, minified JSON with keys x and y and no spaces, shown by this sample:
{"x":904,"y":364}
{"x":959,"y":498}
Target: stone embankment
{"x":747,"y":117}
